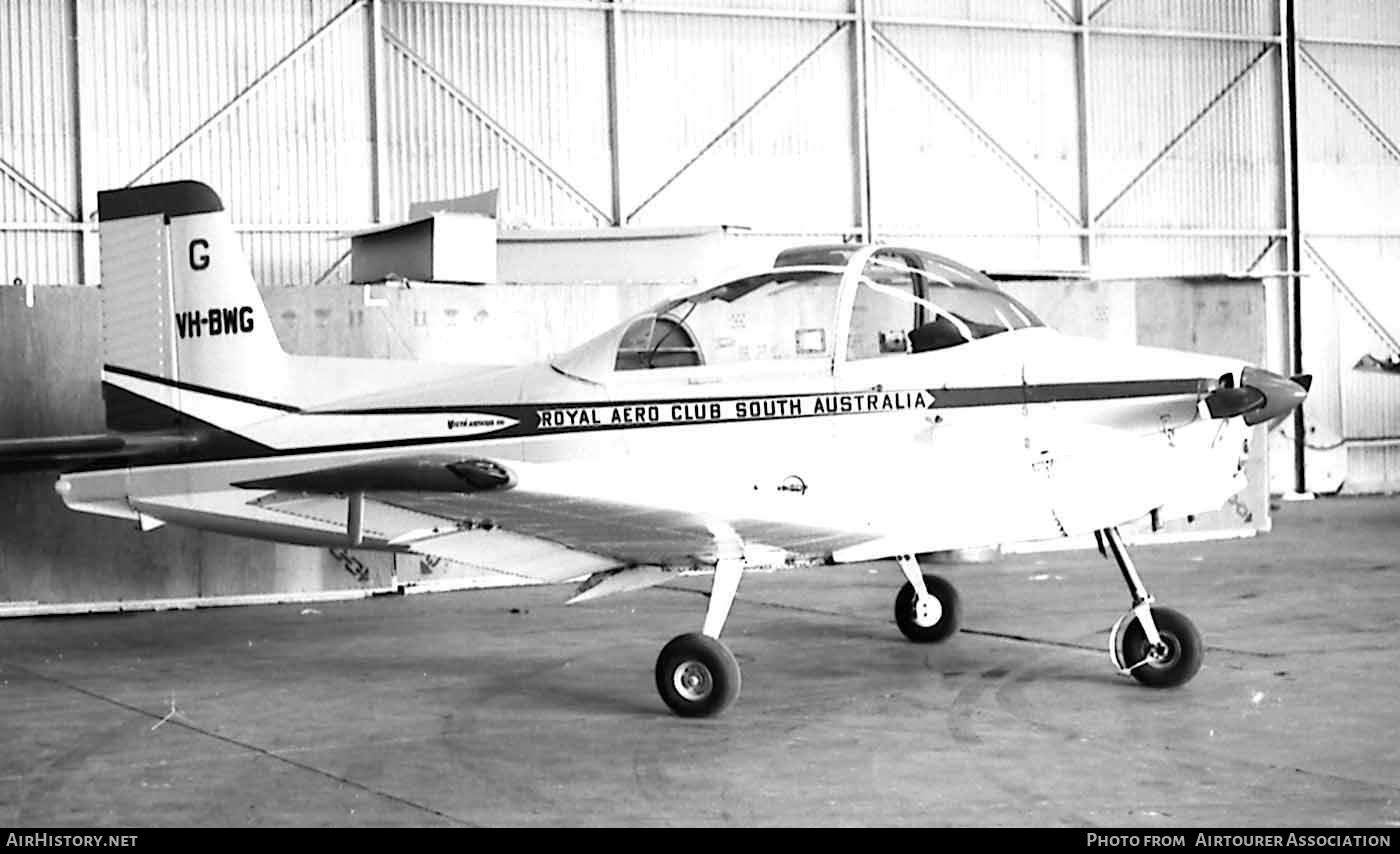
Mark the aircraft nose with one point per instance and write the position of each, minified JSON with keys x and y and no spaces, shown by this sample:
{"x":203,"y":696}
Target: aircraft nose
{"x":1261,"y":396}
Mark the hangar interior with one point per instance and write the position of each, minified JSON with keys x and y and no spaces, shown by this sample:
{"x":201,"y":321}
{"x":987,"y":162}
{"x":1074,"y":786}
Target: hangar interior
{"x":1198,"y":174}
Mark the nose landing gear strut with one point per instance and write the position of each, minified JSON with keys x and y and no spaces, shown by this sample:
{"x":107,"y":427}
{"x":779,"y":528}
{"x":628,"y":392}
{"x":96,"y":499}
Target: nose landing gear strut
{"x":1157,"y":646}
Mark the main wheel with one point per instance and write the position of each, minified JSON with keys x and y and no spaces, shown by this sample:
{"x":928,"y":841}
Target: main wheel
{"x":1174,"y":662}
{"x":697,"y":676}
{"x":934,"y":620}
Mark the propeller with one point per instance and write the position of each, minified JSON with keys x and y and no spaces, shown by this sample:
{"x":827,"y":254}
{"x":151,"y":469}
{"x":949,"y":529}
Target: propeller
{"x":1261,"y":396}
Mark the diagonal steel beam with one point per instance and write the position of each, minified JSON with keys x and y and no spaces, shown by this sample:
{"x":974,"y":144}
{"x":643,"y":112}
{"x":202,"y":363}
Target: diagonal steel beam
{"x":1060,"y":11}
{"x":496,"y":128}
{"x":335,"y":265}
{"x":243,"y":94}
{"x":1097,"y":9}
{"x":1350,"y":103}
{"x":1352,"y":299}
{"x":743,"y":115}
{"x":35,"y":190}
{"x":1195,"y":120}
{"x":1264,"y":253}
{"x":983,"y":136}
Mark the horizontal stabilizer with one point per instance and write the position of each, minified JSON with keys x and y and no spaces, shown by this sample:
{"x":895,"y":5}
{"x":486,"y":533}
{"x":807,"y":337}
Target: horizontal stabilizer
{"x":67,"y":452}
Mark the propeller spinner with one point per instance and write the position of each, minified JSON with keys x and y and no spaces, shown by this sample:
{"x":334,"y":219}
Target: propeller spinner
{"x":1261,"y":396}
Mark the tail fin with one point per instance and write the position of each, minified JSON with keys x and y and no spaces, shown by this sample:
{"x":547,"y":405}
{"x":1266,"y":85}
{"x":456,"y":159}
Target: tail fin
{"x":183,"y":324}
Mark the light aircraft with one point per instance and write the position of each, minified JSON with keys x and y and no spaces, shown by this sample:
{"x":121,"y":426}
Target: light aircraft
{"x":851,"y":403}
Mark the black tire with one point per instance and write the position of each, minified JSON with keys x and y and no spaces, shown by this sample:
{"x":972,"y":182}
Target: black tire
{"x":1181,"y":658}
{"x":948,"y":622}
{"x":697,"y":676}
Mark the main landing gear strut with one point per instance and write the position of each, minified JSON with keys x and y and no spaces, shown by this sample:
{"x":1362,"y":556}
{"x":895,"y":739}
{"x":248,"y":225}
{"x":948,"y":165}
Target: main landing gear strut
{"x":696,"y":674}
{"x":1156,"y":646}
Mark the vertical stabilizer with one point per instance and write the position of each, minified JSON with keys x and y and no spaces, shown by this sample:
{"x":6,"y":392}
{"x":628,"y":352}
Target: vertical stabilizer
{"x":182,"y":318}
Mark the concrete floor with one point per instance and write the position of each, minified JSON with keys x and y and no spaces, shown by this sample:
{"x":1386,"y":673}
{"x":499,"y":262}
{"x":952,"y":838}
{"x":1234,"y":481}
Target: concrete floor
{"x":507,"y":708}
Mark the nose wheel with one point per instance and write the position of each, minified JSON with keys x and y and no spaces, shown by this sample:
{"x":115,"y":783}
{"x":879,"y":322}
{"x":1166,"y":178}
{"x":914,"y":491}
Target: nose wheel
{"x":1157,"y":646}
{"x":1171,"y":661}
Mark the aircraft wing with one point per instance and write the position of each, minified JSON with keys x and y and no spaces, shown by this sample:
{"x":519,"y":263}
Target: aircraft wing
{"x":551,"y":537}
{"x":555,"y":522}
{"x":558,"y":521}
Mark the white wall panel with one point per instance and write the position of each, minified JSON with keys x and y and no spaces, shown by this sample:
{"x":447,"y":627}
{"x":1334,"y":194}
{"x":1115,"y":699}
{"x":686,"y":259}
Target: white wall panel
{"x":996,"y":253}
{"x":39,"y":258}
{"x":171,"y":74}
{"x":1350,"y":181}
{"x":973,"y":131}
{"x":684,"y":83}
{"x":752,"y":7}
{"x":38,"y":161}
{"x":265,"y":101}
{"x":1180,"y":253}
{"x":480,"y":97}
{"x":1185,"y":133}
{"x":1038,"y":12}
{"x":1242,"y":17}
{"x":37,"y":108}
{"x":1349,"y":121}
{"x":1377,"y":20}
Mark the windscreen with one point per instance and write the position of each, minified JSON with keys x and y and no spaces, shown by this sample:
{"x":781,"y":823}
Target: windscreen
{"x":911,"y":302}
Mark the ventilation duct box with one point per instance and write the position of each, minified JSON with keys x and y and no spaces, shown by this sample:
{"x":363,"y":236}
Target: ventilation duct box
{"x":452,"y":241}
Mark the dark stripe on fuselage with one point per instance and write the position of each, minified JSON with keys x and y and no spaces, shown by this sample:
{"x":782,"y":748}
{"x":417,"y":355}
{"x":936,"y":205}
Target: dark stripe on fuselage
{"x":552,"y":419}
{"x":944,"y":398}
{"x":202,"y":389}
{"x":141,"y":415}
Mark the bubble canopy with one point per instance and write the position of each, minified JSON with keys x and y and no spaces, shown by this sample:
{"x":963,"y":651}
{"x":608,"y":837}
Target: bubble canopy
{"x":819,"y":304}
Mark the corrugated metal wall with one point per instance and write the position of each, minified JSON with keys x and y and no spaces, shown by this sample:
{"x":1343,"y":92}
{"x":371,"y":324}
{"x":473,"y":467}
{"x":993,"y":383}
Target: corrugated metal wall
{"x":38,"y":157}
{"x":480,"y":97}
{"x":1125,"y":136}
{"x":1349,"y":156}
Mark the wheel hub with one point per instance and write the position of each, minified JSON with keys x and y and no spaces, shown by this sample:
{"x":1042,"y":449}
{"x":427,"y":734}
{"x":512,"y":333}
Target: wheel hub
{"x":693,"y":680}
{"x":927,"y":612}
{"x":1164,"y":653}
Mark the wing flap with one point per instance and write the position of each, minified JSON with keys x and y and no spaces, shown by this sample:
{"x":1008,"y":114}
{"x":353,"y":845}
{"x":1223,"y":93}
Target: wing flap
{"x":515,"y":554}
{"x":427,"y":530}
{"x":630,"y":533}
